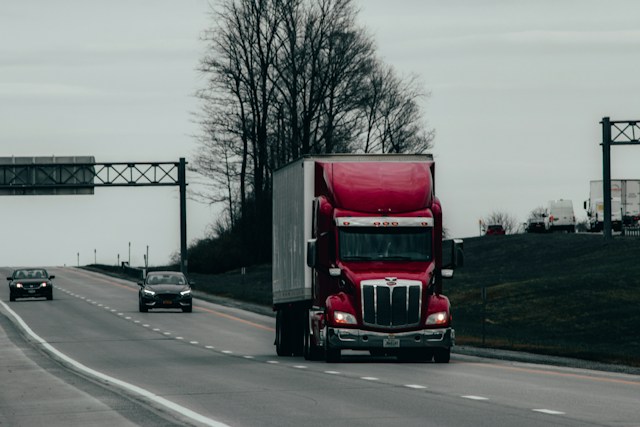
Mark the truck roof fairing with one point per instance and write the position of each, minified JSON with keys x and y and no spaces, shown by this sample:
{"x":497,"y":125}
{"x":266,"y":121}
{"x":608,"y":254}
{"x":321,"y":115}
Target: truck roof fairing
{"x":379,"y":187}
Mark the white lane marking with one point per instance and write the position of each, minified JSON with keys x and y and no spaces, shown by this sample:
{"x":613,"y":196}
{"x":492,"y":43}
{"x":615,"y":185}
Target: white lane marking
{"x":273,"y":362}
{"x":332,"y":372}
{"x":179,"y":338}
{"x":249,"y":357}
{"x":299,"y":366}
{"x":194,"y":342}
{"x":548,"y":411}
{"x":125,"y":385}
{"x":369,"y":378}
{"x":156,"y":329}
{"x":227,"y":351}
{"x":415,"y":386}
{"x":471,"y":397}
{"x":210,"y":347}
{"x":145,"y":325}
{"x":167,"y":333}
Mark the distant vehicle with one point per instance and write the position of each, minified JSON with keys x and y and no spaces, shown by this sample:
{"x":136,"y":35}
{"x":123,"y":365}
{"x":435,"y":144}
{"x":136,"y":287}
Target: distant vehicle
{"x":560,"y":216}
{"x":30,"y":283}
{"x":165,"y":289}
{"x":494,"y":230}
{"x":625,"y":204}
{"x":536,"y":223}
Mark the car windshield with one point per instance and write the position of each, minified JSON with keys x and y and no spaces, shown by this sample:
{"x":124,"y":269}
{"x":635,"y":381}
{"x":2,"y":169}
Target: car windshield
{"x":30,"y":274}
{"x":387,"y":244}
{"x":166,"y":279}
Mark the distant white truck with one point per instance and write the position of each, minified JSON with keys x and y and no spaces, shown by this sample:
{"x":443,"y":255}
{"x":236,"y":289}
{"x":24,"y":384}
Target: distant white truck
{"x":625,"y":204}
{"x":559,"y":216}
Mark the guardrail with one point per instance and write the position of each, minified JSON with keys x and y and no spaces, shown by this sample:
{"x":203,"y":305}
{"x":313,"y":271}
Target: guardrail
{"x":631,"y":231}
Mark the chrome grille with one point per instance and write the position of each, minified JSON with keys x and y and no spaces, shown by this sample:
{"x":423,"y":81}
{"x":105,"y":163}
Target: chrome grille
{"x":390,"y":305}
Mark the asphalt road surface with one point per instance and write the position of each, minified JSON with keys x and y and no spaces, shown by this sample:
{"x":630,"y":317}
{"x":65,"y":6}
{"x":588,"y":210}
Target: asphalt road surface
{"x":88,"y":357}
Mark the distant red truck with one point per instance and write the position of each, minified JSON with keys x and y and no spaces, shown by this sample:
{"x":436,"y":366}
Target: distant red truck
{"x":357,"y":258}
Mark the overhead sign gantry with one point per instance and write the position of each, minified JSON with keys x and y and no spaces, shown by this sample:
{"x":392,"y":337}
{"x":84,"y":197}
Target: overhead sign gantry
{"x":80,"y":175}
{"x":614,"y":132}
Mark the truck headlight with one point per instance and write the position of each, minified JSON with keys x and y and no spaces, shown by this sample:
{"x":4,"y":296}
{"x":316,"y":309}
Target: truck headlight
{"x":439,"y":318}
{"x":343,"y":318}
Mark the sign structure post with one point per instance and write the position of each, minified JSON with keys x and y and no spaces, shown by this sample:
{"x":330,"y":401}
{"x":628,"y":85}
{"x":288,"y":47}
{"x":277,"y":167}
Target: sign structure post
{"x":614,"y":132}
{"x":80,"y":175}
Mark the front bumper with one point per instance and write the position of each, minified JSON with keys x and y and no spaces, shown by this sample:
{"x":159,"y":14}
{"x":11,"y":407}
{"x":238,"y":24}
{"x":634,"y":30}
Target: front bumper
{"x":167,"y":301}
{"x":35,"y":292}
{"x":357,"y":339}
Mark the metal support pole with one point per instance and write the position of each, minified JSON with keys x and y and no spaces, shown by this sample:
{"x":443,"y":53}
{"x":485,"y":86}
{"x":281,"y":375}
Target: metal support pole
{"x":606,"y":177}
{"x":182,"y":182}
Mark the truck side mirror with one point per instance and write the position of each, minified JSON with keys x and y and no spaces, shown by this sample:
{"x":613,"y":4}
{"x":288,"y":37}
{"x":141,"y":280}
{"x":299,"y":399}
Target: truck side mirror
{"x":312,"y":254}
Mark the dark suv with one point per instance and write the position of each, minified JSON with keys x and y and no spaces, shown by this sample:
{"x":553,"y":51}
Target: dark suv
{"x":165,"y":289}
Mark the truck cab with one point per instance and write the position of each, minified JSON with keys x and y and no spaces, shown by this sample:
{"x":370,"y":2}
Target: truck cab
{"x":374,"y":254}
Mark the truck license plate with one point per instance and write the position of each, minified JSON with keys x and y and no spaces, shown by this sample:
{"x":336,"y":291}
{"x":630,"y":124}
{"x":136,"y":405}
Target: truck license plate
{"x":391,"y":343}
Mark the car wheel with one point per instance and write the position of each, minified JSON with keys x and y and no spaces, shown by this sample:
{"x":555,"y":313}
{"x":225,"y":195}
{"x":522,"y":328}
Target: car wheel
{"x":141,"y":307}
{"x":442,"y":355}
{"x":12,"y":297}
{"x":50,"y":296}
{"x":188,"y":309}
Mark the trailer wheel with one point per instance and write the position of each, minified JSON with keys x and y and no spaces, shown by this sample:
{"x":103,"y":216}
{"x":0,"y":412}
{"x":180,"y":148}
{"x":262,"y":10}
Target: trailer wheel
{"x":442,"y":355}
{"x":283,"y":341}
{"x":331,"y":354}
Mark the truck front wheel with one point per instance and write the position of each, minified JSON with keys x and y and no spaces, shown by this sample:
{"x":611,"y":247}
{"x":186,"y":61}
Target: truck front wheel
{"x":331,"y":354}
{"x":310,"y":350}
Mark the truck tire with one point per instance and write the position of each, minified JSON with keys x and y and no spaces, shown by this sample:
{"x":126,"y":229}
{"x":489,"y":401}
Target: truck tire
{"x":283,"y":339}
{"x":310,"y":351}
{"x":442,"y":355}
{"x":331,"y":354}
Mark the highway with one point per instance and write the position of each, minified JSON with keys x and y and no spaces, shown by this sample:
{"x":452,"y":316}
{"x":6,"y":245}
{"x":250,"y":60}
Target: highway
{"x":88,"y":357}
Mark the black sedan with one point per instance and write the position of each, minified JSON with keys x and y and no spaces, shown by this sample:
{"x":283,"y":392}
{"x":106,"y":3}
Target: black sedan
{"x":165,"y":289}
{"x":30,"y":283}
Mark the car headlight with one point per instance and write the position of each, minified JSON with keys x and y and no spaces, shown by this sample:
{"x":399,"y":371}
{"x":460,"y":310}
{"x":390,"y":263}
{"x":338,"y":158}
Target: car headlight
{"x":18,"y":285}
{"x":439,"y":318}
{"x":343,"y":318}
{"x":185,"y":293}
{"x":43,"y":284}
{"x":149,"y":292}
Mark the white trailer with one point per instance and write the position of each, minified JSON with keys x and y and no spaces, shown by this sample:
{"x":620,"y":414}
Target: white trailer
{"x":625,"y":204}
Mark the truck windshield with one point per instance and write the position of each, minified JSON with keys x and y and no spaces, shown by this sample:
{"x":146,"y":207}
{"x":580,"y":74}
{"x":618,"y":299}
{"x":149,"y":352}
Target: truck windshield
{"x":390,"y":244}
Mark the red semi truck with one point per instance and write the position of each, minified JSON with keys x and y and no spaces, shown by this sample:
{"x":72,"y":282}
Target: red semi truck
{"x":357,"y":258}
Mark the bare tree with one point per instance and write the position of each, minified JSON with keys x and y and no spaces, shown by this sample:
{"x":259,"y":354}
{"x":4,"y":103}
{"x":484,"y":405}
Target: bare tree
{"x":287,"y":78}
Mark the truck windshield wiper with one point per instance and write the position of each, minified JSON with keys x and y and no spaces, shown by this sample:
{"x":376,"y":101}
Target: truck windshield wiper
{"x":397,"y":258}
{"x":357,"y":258}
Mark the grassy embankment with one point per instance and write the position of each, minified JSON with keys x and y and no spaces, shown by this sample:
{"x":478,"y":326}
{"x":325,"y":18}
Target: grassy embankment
{"x":570,"y":295}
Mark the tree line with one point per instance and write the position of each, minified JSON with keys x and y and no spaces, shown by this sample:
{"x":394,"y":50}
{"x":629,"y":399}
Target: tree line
{"x":287,"y":78}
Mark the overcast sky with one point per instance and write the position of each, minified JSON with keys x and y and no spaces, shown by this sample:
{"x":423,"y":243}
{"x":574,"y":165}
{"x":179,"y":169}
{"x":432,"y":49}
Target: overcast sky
{"x":517,"y":92}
